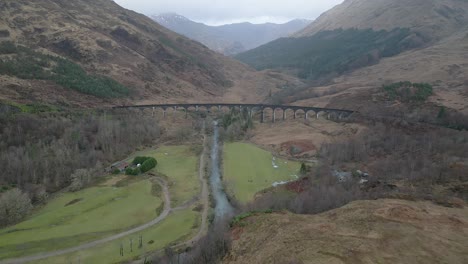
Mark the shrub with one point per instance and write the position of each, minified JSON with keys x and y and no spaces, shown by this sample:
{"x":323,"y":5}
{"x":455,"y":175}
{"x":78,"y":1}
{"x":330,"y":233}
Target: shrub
{"x":139,"y":160}
{"x":132,"y":171}
{"x":116,"y":171}
{"x":14,"y":206}
{"x":7,"y":47}
{"x":149,"y":164}
{"x":407,"y":91}
{"x":303,"y":169}
{"x":442,"y":112}
{"x":79,"y":179}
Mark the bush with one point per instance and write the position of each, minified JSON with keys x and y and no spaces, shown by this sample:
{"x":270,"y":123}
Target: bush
{"x":14,"y":206}
{"x":149,"y":164}
{"x":79,"y":179}
{"x":116,"y":171}
{"x":407,"y":91}
{"x":132,"y":171}
{"x":7,"y":47}
{"x":139,"y":160}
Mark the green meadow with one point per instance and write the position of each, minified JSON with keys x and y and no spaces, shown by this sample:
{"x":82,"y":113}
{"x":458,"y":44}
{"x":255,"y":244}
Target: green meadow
{"x":178,"y":226}
{"x":249,"y":169}
{"x":71,"y":219}
{"x":180,"y":165}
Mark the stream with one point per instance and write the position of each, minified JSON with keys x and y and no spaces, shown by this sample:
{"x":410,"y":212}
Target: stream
{"x":223,"y":207}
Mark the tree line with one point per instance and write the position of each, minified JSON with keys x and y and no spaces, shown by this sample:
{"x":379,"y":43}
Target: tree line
{"x":43,"y":153}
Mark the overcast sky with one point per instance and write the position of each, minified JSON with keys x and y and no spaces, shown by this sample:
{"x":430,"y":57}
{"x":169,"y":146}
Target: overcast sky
{"x":217,"y":12}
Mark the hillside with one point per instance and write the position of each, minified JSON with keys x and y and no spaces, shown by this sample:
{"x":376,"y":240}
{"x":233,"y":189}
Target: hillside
{"x":233,"y":38}
{"x":359,"y":33}
{"x":433,"y":19}
{"x":381,"y":231}
{"x":444,"y":65}
{"x":100,"y":43}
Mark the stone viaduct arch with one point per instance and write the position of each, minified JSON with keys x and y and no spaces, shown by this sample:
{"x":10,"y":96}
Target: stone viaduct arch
{"x":252,"y":109}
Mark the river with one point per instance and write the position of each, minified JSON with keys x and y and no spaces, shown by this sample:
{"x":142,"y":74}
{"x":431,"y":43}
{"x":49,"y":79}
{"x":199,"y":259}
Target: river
{"x":223,"y":207}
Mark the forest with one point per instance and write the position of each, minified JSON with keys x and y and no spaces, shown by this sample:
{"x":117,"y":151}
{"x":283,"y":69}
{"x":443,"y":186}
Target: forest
{"x":330,"y":53}
{"x":39,"y":153}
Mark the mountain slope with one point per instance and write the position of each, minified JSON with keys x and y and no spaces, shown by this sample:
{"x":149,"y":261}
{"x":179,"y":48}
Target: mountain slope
{"x":380,"y":231}
{"x":359,"y":33}
{"x":443,"y":64}
{"x":230,"y":39}
{"x":104,"y":39}
{"x":433,"y":18}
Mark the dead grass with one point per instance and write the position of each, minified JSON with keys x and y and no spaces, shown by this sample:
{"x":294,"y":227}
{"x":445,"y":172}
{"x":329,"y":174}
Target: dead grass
{"x":381,"y":231}
{"x":308,"y":136}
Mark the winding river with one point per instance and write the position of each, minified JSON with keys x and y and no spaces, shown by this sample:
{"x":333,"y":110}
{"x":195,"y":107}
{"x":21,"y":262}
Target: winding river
{"x":223,"y":207}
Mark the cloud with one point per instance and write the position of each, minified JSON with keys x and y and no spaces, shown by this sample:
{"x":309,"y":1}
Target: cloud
{"x":217,"y":11}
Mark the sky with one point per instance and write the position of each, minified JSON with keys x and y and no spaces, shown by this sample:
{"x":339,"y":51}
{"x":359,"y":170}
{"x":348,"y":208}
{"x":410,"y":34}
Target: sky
{"x":219,"y":12}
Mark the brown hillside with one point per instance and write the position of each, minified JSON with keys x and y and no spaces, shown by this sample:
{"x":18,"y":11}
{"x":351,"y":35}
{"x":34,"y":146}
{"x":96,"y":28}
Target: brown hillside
{"x":433,"y":18}
{"x":443,"y":62}
{"x":381,"y":231}
{"x":156,"y":64}
{"x":444,"y":65}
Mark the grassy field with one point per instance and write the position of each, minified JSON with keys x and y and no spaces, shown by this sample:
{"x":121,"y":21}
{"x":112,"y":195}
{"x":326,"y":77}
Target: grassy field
{"x":180,"y":165}
{"x":178,"y":226}
{"x":97,"y":212}
{"x":249,"y":169}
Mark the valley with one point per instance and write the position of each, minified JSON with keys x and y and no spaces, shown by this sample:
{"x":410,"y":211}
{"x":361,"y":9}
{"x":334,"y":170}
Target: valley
{"x":233,"y":38}
{"x":127,"y":137}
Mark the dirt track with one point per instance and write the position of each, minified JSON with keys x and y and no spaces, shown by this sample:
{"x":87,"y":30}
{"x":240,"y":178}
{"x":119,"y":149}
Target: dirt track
{"x":167,"y":210}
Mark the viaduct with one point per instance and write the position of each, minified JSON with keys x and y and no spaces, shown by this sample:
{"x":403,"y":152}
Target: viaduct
{"x":250,"y":108}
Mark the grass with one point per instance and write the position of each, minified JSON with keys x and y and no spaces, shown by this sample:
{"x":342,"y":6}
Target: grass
{"x":96,"y":212}
{"x":34,"y":108}
{"x":180,"y":165}
{"x":178,"y":226}
{"x":248,"y":170}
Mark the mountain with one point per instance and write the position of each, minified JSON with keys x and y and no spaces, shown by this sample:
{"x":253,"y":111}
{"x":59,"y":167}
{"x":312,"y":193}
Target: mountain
{"x":360,"y":33}
{"x":93,"y":52}
{"x":233,"y":38}
{"x":433,"y":19}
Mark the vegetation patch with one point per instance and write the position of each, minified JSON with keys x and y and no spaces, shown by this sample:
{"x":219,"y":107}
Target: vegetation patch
{"x":236,"y":221}
{"x":249,"y":169}
{"x":330,"y":53}
{"x":409,"y":92}
{"x":235,"y":124}
{"x":175,"y":228}
{"x":102,"y":211}
{"x":26,"y":63}
{"x":180,"y":165}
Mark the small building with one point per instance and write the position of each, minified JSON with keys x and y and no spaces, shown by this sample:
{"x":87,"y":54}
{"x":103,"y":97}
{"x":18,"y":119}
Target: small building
{"x":121,"y":166}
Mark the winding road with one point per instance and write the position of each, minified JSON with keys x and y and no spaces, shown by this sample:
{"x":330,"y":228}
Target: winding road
{"x":166,"y":211}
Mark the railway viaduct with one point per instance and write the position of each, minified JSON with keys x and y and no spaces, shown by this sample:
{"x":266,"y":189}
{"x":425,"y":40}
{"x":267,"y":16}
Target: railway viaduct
{"x":252,"y":109}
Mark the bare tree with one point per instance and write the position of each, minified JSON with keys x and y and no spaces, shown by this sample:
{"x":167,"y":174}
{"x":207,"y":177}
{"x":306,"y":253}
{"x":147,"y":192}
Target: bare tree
{"x":14,"y":206}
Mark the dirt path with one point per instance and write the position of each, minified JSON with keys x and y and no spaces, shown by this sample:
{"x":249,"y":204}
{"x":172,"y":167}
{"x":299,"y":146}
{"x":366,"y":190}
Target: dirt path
{"x":167,"y":210}
{"x":162,"y":216}
{"x":205,"y":200}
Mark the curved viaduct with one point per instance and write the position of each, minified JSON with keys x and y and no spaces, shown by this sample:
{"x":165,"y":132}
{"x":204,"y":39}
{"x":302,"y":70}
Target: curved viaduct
{"x":250,"y":108}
